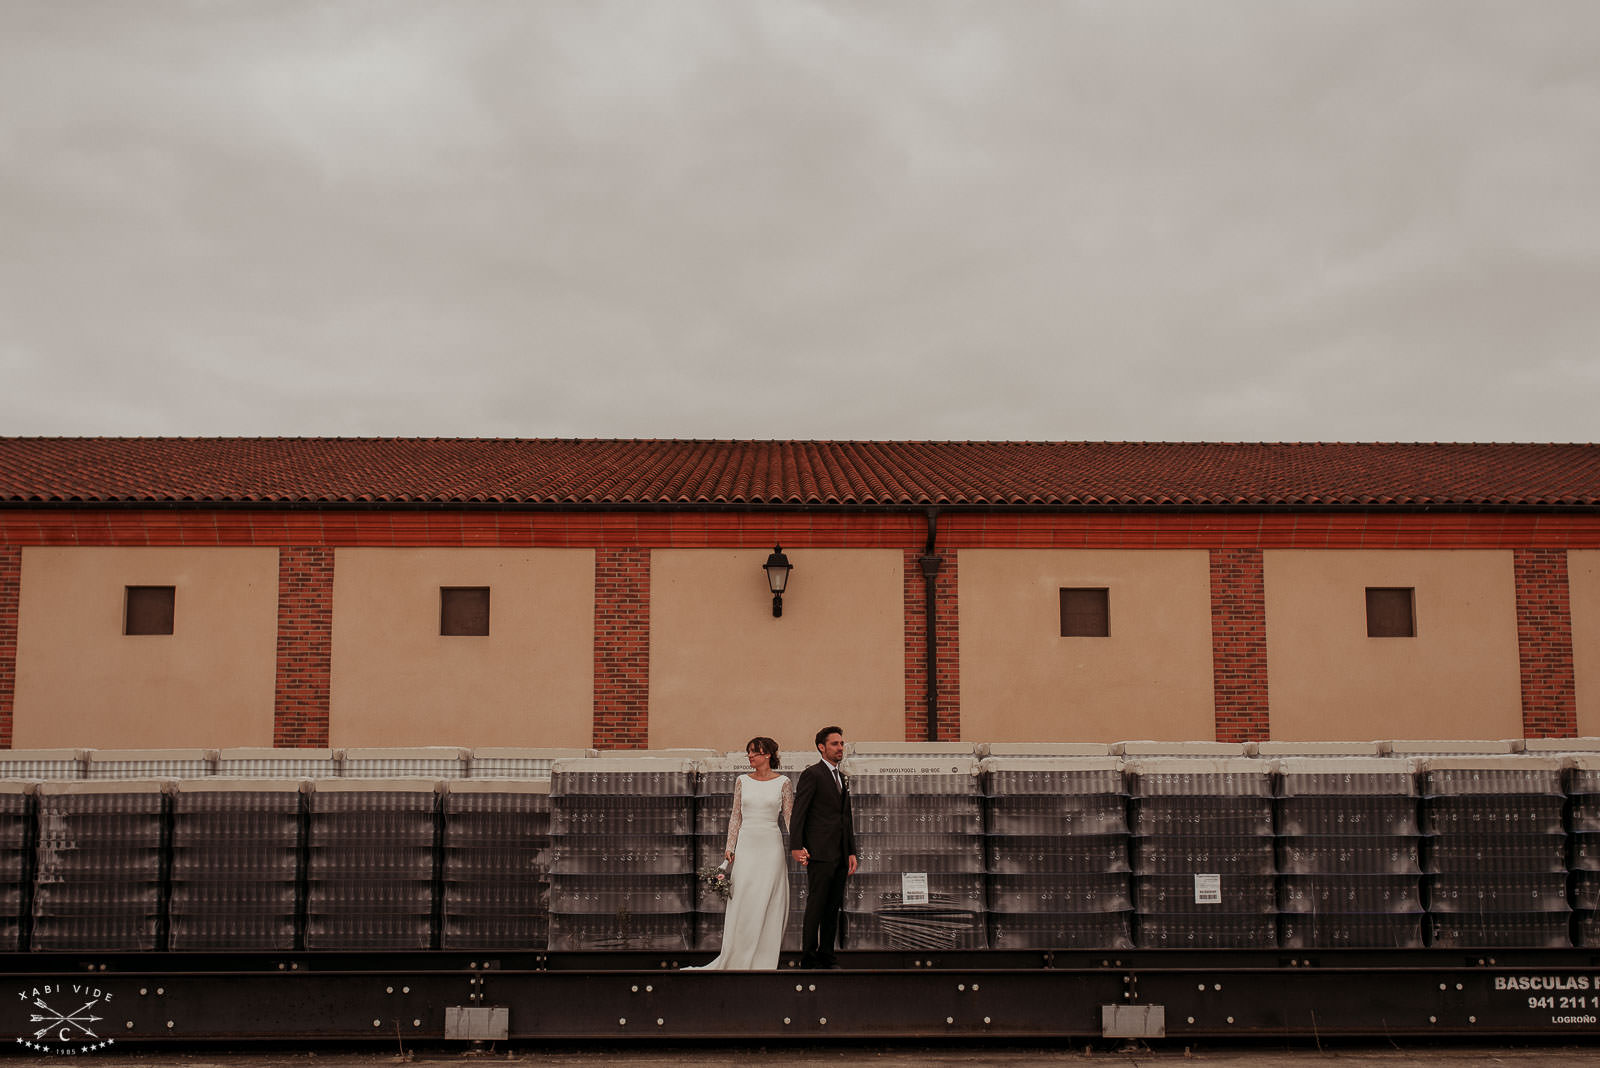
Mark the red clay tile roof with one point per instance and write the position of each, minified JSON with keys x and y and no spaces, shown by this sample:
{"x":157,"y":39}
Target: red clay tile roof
{"x":541,"y":471}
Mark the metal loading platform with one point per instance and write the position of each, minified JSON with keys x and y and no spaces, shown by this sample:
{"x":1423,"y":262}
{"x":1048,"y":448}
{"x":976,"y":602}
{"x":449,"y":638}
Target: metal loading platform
{"x":66,"y":999}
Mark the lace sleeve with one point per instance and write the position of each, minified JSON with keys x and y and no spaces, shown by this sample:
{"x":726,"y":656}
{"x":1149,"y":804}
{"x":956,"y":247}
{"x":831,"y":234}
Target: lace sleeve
{"x":787,"y":791}
{"x":736,"y":817}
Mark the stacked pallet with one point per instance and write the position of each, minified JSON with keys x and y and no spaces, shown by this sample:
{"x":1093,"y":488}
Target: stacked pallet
{"x":16,"y":859}
{"x":496,"y":864}
{"x":235,"y":863}
{"x":371,"y":847}
{"x":1204,"y":874}
{"x":919,"y":842}
{"x":1057,"y":845}
{"x":714,"y":782}
{"x":148,"y":763}
{"x":255,"y":762}
{"x":519,"y":762}
{"x":100,"y":873}
{"x":622,"y":853}
{"x":405,"y":762}
{"x":1496,"y":851}
{"x":19,"y":823}
{"x":41,"y":764}
{"x":1583,"y":788}
{"x":1349,"y":862}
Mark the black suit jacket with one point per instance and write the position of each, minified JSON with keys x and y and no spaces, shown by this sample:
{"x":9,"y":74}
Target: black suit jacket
{"x":821,"y":822}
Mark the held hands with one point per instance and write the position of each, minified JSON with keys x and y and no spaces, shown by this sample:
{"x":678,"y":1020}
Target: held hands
{"x":801,"y":856}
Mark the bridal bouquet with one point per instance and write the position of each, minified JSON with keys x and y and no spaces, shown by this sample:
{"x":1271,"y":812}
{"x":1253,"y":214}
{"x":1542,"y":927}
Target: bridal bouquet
{"x":718,"y":880}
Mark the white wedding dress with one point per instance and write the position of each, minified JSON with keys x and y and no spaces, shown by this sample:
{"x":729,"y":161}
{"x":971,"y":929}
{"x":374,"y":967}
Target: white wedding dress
{"x":752,"y":928}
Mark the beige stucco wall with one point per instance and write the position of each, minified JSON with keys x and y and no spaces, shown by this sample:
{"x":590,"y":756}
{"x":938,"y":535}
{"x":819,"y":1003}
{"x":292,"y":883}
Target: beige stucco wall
{"x":1022,"y":681}
{"x":82,"y":682}
{"x":723,"y":670}
{"x":1583,"y":580}
{"x":1458,"y":678}
{"x":397,"y":681}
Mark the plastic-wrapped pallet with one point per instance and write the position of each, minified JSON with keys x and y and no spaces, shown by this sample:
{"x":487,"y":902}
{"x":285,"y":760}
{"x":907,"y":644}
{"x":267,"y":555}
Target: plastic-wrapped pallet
{"x":1495,"y":852}
{"x":1349,"y":859}
{"x":1057,"y":846}
{"x":1439,"y":747}
{"x":919,"y":884}
{"x":235,"y":863}
{"x":41,"y":763}
{"x":1189,"y":750}
{"x":407,"y":762}
{"x":511,"y":762}
{"x":370,"y":857}
{"x":259,"y":762}
{"x":148,"y":763}
{"x":1043,"y":750}
{"x":1583,"y":823}
{"x":916,"y":750}
{"x":99,"y":876}
{"x":1280,"y":750}
{"x":622,"y":853}
{"x":1204,"y":874}
{"x":1560,"y":746}
{"x":714,"y":784}
{"x":17,"y":823}
{"x":496,"y":865}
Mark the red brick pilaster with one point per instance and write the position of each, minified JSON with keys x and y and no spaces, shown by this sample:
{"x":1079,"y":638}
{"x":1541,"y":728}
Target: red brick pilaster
{"x":947,"y":620}
{"x":1544,"y":644}
{"x":10,"y":607}
{"x":305,"y":647}
{"x":1239,"y":645}
{"x":621,"y":648}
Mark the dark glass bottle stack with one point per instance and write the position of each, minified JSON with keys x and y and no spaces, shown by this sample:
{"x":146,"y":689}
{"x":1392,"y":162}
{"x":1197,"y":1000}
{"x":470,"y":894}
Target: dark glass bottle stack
{"x":622,"y":854}
{"x":1057,"y":845}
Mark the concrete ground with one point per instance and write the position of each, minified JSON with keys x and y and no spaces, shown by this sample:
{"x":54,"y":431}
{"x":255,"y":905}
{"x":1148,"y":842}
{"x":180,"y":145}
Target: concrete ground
{"x":906,"y":1055}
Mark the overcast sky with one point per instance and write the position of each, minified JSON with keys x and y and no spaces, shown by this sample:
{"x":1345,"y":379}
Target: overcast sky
{"x":1196,"y":220}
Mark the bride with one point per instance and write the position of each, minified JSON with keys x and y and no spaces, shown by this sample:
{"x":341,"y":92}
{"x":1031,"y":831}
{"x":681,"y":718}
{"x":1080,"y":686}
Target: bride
{"x":752,"y":928}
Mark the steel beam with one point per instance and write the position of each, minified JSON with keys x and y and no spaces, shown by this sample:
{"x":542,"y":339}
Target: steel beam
{"x":537,"y":997}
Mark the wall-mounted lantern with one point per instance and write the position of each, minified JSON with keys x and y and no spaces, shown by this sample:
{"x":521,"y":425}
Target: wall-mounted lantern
{"x":778,"y":568}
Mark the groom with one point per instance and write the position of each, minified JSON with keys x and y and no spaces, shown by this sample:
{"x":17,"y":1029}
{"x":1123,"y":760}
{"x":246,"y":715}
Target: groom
{"x":823,"y":840}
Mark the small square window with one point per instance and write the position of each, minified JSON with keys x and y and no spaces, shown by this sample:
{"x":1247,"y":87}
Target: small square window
{"x":1085,"y":613}
{"x":148,"y":610}
{"x":464,"y":611}
{"x":1391,"y":612}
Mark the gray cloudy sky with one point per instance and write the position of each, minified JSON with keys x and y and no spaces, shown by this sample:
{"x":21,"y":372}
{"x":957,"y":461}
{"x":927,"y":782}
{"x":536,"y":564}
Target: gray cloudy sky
{"x":1003,"y":219}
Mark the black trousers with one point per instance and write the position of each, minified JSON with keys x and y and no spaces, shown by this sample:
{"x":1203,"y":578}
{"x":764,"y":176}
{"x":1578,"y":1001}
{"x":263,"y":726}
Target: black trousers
{"x":824,"y":898}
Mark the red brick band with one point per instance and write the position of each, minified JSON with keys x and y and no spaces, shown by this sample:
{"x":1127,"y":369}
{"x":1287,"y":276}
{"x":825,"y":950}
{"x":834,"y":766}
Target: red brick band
{"x":10,"y":610}
{"x":621,"y":648}
{"x":305,"y":647}
{"x":1239,"y":645}
{"x":1544,"y":644}
{"x":691,"y":530}
{"x":947,"y":648}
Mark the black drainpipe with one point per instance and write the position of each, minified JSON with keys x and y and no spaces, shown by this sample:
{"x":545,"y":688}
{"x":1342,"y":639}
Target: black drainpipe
{"x":930,"y":572}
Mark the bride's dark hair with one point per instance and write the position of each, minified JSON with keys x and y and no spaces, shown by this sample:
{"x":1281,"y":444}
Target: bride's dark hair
{"x":764,"y":745}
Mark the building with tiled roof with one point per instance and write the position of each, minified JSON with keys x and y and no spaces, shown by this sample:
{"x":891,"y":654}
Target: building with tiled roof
{"x":329,"y":591}
{"x":641,"y":473}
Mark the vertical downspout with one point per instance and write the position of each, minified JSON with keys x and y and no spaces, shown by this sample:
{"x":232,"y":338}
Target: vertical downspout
{"x":930,"y":572}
